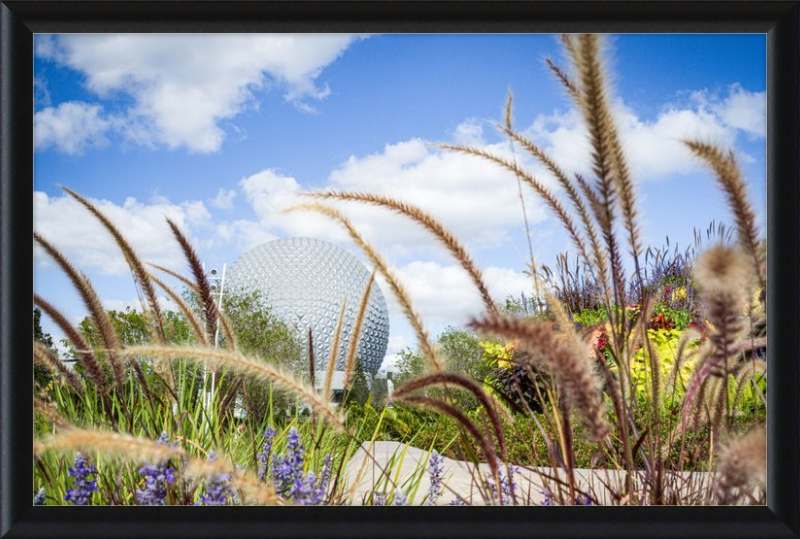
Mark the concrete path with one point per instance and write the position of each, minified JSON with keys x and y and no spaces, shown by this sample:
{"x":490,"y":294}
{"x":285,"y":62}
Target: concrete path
{"x":407,"y":468}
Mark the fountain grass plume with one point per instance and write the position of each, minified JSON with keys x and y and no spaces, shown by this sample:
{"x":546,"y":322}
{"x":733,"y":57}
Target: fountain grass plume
{"x":574,"y":372}
{"x":254,"y":368}
{"x":93,"y":304}
{"x":743,"y":462}
{"x":399,"y":291}
{"x":722,"y":275}
{"x":200,"y":278}
{"x":141,"y":449}
{"x":597,"y":115}
{"x":227,"y":327}
{"x":140,"y":276}
{"x":431,"y":224}
{"x":194,"y":323}
{"x":109,"y":443}
{"x":574,"y":197}
{"x":350,"y":360}
{"x":172,"y":273}
{"x":596,"y":108}
{"x":334,"y":355}
{"x":46,"y":358}
{"x":535,"y":184}
{"x":82,"y":349}
{"x":565,"y":80}
{"x":730,"y":178}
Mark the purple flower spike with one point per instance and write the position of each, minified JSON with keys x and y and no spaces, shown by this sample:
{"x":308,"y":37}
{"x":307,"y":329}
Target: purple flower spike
{"x":40,"y":497}
{"x":436,"y":471}
{"x":84,"y":484}
{"x":156,"y":477}
{"x":507,"y":484}
{"x":217,"y":489}
{"x":288,"y":469}
{"x":263,"y":456}
{"x":400,"y":498}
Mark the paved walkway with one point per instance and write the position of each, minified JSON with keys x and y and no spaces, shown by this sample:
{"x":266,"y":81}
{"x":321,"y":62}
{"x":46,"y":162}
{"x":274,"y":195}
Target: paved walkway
{"x":407,"y":468}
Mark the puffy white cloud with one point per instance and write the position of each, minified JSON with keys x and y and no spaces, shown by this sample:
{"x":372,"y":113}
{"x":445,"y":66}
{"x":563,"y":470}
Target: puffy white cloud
{"x":71,"y":128}
{"x":65,"y":223}
{"x":224,"y":199}
{"x":244,"y":234}
{"x":444,"y":294}
{"x":184,"y":85}
{"x":743,"y":110}
{"x":269,"y":193}
{"x":654,"y":147}
{"x":475,"y":199}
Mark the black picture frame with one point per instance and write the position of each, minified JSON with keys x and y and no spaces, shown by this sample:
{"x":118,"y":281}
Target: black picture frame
{"x":20,"y":19}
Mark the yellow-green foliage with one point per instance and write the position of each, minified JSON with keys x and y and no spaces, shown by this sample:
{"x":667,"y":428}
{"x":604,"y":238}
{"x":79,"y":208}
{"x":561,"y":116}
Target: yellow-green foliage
{"x":665,"y":342}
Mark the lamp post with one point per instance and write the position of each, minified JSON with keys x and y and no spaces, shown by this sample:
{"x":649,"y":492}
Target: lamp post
{"x":217,"y":291}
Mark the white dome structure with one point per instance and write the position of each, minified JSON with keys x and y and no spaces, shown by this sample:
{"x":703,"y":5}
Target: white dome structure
{"x":305,"y":281}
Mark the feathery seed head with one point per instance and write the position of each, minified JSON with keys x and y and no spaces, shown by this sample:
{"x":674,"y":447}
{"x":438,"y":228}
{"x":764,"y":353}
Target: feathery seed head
{"x":724,"y":271}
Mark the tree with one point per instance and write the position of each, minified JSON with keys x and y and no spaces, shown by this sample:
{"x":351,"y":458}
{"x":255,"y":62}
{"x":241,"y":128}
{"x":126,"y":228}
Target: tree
{"x":463,"y":353}
{"x":359,"y":390}
{"x":260,"y":333}
{"x":41,"y":374}
{"x":410,"y":363}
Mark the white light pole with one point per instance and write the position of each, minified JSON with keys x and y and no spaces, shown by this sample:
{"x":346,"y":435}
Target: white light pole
{"x":219,"y":285}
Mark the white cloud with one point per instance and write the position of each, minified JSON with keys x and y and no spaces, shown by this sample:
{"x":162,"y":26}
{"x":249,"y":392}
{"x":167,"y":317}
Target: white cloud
{"x":743,"y":110}
{"x":70,"y":128}
{"x":185,"y":85}
{"x":224,"y":199}
{"x":654,"y":148}
{"x":135,"y":304}
{"x":66,"y":224}
{"x":244,"y":234}
{"x":445,"y":295}
{"x":462,"y":191}
{"x":269,"y":193}
{"x":469,"y":133}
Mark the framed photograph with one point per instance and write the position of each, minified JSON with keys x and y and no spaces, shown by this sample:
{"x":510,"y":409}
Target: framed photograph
{"x":310,"y":261}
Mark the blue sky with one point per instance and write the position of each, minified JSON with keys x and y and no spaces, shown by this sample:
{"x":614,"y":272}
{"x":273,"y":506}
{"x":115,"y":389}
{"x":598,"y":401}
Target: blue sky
{"x":221,"y":132}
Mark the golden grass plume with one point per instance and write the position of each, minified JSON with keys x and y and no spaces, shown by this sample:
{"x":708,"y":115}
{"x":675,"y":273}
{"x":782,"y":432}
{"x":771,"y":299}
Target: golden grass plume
{"x":428,"y":222}
{"x":137,"y":267}
{"x":742,"y":463}
{"x":355,"y":338}
{"x":573,"y":371}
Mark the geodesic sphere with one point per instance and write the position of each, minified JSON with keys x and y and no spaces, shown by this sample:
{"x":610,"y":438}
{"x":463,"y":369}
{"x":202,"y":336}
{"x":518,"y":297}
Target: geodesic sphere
{"x":305,"y":281}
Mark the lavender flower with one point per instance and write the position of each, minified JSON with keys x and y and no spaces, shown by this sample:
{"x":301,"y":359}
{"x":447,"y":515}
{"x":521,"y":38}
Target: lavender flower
{"x":457,"y":501}
{"x":378,"y":498}
{"x":435,"y":470}
{"x":292,"y":482}
{"x":156,"y":477}
{"x":84,"y":485}
{"x":507,"y":484}
{"x":400,"y":498}
{"x":39,"y":499}
{"x":263,"y":456}
{"x":579,"y":499}
{"x":288,"y":469}
{"x":217,"y":488}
